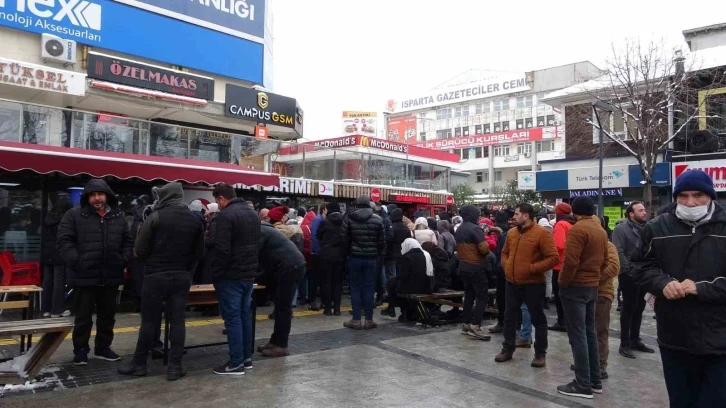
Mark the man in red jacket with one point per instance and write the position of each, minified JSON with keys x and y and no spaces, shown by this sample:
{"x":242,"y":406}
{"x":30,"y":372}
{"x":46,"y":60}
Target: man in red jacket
{"x":565,"y":221}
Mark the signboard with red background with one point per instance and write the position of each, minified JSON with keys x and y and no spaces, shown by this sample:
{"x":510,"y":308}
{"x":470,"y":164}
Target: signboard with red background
{"x":716,"y":169}
{"x":402,"y":129}
{"x":516,"y":136}
{"x":375,"y":195}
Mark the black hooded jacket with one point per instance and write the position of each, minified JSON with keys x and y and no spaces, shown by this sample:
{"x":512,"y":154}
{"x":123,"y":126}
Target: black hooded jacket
{"x":328,"y":234}
{"x":277,"y":253}
{"x":363,"y":234}
{"x":97,"y":248}
{"x":171,"y":240}
{"x":400,"y":233}
{"x":236,"y":243}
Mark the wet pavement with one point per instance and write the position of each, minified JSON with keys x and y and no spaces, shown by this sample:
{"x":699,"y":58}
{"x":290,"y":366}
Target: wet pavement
{"x":395,"y":365}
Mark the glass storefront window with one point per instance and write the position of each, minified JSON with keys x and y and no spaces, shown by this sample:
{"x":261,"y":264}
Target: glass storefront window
{"x":210,"y":146}
{"x":169,"y":141}
{"x":108,"y":133}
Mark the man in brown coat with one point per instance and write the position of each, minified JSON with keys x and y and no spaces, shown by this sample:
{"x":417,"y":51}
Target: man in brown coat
{"x":528,"y":253}
{"x":586,"y":257}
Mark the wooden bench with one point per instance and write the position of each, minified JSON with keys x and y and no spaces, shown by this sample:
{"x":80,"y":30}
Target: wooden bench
{"x":203,"y":295}
{"x":54,"y":331}
{"x":26,"y":303}
{"x":438,"y":298}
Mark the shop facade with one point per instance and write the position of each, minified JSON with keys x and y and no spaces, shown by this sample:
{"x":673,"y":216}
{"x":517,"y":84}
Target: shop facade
{"x":714,"y":165}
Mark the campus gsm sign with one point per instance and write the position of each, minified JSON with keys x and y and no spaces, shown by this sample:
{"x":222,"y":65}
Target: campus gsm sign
{"x":716,"y":169}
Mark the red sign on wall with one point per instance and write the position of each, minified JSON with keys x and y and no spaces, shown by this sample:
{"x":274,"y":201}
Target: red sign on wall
{"x":402,"y":128}
{"x":516,"y":136}
{"x":407,"y":198}
{"x":449,"y":200}
{"x":375,"y":195}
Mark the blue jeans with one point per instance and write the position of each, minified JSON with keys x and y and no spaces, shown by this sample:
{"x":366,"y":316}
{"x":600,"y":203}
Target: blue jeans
{"x":234,"y":304}
{"x":526,"y":332}
{"x":362,"y":277}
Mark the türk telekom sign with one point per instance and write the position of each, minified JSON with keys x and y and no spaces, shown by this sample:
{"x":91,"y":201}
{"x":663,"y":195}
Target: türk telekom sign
{"x":517,"y":136}
{"x":714,"y":168}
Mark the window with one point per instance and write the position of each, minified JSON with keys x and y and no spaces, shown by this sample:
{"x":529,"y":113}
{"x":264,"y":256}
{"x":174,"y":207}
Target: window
{"x":461,"y":111}
{"x":550,"y":120}
{"x":444,"y":113}
{"x":540,"y":121}
{"x":457,"y":132}
{"x":485,"y":151}
{"x":479,"y":176}
{"x":520,"y":123}
{"x":524,"y":101}
{"x":482,"y":107}
{"x":423,"y":136}
{"x":477,"y":129}
{"x":615,"y":122}
{"x":501,"y":150}
{"x":524,"y":149}
{"x":465,"y":131}
{"x":443,"y":134}
{"x":529,"y":123}
{"x":545,"y":146}
{"x":478,"y":152}
{"x":487,"y":128}
{"x":498,"y":174}
{"x":505,"y":126}
{"x":501,"y":105}
{"x":464,"y":154}
{"x":497,"y":127}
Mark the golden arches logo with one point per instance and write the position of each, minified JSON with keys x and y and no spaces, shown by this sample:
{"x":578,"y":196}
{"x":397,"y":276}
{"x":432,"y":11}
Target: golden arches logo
{"x":364,"y":141}
{"x":263,"y":100}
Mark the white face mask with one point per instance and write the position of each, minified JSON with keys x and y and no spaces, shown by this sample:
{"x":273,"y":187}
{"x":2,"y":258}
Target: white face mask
{"x":692,"y":214}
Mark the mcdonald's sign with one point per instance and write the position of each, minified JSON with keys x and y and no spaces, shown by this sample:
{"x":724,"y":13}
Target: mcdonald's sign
{"x":366,"y":141}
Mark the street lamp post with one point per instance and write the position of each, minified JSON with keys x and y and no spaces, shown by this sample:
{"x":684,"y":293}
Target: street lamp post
{"x":605,"y":108}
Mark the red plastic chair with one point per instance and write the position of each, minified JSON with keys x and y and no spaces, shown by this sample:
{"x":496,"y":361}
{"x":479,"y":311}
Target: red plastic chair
{"x":18,"y":274}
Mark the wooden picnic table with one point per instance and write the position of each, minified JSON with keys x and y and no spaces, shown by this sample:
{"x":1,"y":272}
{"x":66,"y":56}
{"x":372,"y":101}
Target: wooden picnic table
{"x":28,"y":292}
{"x":53,"y":331}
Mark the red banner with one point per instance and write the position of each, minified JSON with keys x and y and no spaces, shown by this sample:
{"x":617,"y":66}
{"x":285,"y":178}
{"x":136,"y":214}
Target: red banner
{"x":516,"y":136}
{"x":402,"y":128}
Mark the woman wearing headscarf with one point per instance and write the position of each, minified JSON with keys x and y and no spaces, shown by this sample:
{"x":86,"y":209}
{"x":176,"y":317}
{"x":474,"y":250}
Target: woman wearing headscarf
{"x":414,"y":275}
{"x":456,"y":221}
{"x":446,"y":239}
{"x":422,"y":233}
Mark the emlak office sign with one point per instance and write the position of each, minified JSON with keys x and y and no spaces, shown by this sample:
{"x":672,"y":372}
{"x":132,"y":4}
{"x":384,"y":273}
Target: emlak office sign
{"x":118,"y":27}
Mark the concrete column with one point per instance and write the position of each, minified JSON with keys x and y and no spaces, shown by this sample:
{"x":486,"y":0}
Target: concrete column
{"x":491,"y":166}
{"x":533,"y":157}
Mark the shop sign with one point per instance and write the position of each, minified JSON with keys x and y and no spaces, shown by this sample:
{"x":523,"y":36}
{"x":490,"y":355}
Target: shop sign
{"x":262,"y":107}
{"x":348,"y":141}
{"x":516,"y":136}
{"x":402,"y":128}
{"x":462,"y":93}
{"x":606,"y":192}
{"x":42,"y":78}
{"x":511,"y":158}
{"x":382,"y":144}
{"x":326,"y":188}
{"x":260,"y":132}
{"x":140,"y":75}
{"x":527,"y":180}
{"x":716,"y":169}
{"x":359,"y":123}
{"x":408,"y":198}
{"x":588,"y":177}
{"x":104,"y":24}
{"x":449,"y":200}
{"x":241,"y":18}
{"x":613,"y":214}
{"x":375,"y":195}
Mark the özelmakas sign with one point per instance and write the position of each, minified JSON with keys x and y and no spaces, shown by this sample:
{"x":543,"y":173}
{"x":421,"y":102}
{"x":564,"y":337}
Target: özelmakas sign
{"x":261,"y":107}
{"x":240,"y":18}
{"x":132,"y":73}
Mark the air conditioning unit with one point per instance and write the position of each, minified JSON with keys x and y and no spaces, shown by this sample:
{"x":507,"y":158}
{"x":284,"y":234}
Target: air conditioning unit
{"x":57,"y":49}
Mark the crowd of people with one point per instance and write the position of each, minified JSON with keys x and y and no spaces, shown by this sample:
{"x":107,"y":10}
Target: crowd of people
{"x":304,"y":254}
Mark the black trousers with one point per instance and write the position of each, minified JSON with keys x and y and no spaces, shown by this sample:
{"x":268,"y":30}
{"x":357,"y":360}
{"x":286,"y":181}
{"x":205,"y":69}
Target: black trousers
{"x":54,"y":294}
{"x":380,"y":264}
{"x":86,"y":300}
{"x":172,"y":289}
{"x":331,"y":283}
{"x":558,"y":301}
{"x":476,"y":289}
{"x":501,"y":296}
{"x":533,"y":296}
{"x":694,"y":381}
{"x":314,"y":279}
{"x":286,"y":285}
{"x":632,"y":313}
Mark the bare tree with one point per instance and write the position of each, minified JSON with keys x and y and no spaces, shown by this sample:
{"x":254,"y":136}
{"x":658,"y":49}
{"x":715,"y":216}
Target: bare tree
{"x":643,"y":84}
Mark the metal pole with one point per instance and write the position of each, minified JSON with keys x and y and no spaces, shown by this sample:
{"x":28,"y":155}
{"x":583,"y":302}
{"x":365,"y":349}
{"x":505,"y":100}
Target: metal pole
{"x":600,"y":209}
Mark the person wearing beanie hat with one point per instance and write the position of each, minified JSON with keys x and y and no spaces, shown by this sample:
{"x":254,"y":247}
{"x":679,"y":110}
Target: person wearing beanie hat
{"x":563,"y":222}
{"x":292,"y":217}
{"x":563,"y":209}
{"x":301,"y":212}
{"x":278,"y":214}
{"x":680,"y":261}
{"x":364,"y":242}
{"x":586,"y":255}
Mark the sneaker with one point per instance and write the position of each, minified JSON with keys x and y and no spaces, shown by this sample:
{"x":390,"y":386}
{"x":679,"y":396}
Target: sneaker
{"x":276,"y":352}
{"x":327,"y":312}
{"x":523,"y":343}
{"x":66,"y":313}
{"x":604,"y":375}
{"x":46,"y":314}
{"x":226,"y":369}
{"x":314,"y":307}
{"x":597,"y":389}
{"x":106,"y":354}
{"x":248,"y":364}
{"x":574,"y":389}
{"x":466,"y":330}
{"x":131,"y":368}
{"x":478,"y":333}
{"x":175,"y":372}
{"x":557,"y":327}
{"x":370,"y":324}
{"x":80,"y":358}
{"x":539,"y":361}
{"x":353,"y":324}
{"x":496,"y":329}
{"x":504,"y":356}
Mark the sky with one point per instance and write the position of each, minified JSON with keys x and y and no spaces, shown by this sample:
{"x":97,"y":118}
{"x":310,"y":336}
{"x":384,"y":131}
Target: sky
{"x":336,"y":55}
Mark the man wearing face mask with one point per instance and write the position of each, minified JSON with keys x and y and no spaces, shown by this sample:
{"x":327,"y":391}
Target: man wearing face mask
{"x":626,"y":238}
{"x":681,"y":261}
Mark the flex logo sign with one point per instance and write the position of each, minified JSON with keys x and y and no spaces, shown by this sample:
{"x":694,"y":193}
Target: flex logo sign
{"x":80,"y":19}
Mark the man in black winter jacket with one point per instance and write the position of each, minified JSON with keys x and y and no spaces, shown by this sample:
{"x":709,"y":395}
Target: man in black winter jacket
{"x":95,"y":241}
{"x":364,"y":241}
{"x":171,"y":243}
{"x":280,"y":256}
{"x":681,"y":262}
{"x":233,"y":268}
{"x":331,"y":259}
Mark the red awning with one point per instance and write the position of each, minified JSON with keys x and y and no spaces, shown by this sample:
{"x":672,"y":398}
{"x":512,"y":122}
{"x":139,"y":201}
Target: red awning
{"x":48,"y":159}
